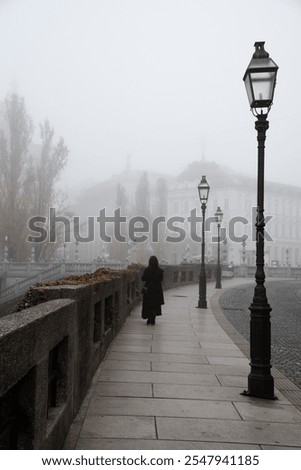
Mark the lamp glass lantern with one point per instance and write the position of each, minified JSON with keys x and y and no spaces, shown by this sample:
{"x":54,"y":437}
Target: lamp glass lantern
{"x":219,"y":215}
{"x":260,"y":79}
{"x":203,"y":189}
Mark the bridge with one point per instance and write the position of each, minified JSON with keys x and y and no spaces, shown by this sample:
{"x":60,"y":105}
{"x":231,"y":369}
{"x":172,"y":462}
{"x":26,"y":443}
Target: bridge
{"x":178,"y":384}
{"x":17,"y":278}
{"x":82,"y":370}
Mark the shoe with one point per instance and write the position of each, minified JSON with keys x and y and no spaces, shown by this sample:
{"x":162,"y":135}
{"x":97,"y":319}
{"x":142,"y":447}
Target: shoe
{"x":148,"y":322}
{"x":153,"y":322}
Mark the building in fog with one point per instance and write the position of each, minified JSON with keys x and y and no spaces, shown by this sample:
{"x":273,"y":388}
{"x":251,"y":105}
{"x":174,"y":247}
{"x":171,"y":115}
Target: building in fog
{"x":236,"y":196}
{"x":234,"y":193}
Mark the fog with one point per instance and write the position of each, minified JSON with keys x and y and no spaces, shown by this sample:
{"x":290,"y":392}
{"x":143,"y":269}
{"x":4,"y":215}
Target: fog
{"x":157,"y":80}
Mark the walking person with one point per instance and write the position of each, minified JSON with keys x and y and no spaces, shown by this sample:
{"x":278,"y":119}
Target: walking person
{"x":152,"y":291}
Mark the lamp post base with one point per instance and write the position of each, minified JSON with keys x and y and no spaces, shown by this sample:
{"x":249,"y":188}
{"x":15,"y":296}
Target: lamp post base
{"x":260,"y":387}
{"x":218,"y":284}
{"x":260,"y":379}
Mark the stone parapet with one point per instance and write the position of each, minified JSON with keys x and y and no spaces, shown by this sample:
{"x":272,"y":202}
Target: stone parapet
{"x":50,"y":352}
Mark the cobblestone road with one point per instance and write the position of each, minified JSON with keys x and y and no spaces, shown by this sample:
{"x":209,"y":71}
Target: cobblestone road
{"x":285,"y":299}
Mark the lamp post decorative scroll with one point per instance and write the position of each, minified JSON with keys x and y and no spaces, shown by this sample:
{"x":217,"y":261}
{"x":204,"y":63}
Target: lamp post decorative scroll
{"x":260,"y":81}
{"x":203,"y":189}
{"x":219,"y":217}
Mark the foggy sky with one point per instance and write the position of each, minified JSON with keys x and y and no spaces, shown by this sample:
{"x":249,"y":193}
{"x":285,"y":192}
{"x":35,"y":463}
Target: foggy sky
{"x":160,"y":80}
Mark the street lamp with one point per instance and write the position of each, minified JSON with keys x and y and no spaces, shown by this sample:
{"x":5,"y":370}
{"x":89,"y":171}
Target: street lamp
{"x":260,"y":81}
{"x":219,"y":217}
{"x":5,"y":257}
{"x":225,"y":250}
{"x":76,"y":251}
{"x":203,"y":189}
{"x":243,"y":256}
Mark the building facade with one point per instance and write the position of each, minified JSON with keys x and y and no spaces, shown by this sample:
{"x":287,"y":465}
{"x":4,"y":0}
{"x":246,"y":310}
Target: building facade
{"x":236,"y":196}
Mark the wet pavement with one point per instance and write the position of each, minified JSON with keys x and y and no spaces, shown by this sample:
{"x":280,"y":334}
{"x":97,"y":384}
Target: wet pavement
{"x":178,"y":384}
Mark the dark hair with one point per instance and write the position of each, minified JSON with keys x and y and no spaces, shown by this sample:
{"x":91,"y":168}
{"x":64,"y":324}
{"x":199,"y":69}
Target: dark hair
{"x":153,"y":262}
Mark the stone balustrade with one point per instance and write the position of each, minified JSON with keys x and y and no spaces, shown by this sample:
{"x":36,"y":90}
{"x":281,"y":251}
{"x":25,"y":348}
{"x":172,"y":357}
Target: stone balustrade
{"x":285,"y":272}
{"x":50,"y":352}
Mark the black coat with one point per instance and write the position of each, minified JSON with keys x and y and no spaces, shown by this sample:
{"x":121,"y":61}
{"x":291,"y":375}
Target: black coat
{"x":153,"y":297}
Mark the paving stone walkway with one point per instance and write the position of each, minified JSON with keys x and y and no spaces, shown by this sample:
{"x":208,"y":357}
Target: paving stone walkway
{"x":178,"y":384}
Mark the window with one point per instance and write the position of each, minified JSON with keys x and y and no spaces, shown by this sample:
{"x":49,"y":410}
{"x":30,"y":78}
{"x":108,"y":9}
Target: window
{"x":57,"y":375}
{"x":17,"y":407}
{"x":108,"y":312}
{"x":97,"y":322}
{"x":53,"y":373}
{"x":9,"y":404}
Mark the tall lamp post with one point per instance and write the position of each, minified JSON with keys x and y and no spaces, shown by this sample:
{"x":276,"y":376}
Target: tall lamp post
{"x":203,"y":189}
{"x":219,"y":217}
{"x":260,"y":81}
{"x":243,"y":256}
{"x":225,"y":250}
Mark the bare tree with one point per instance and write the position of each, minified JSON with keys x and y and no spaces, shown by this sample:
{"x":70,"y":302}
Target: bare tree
{"x":121,"y":199}
{"x":53,"y":158}
{"x":142,"y":197}
{"x":13,"y":176}
{"x":142,"y":210}
{"x":119,"y":248}
{"x":161,"y":211}
{"x":27,"y":183}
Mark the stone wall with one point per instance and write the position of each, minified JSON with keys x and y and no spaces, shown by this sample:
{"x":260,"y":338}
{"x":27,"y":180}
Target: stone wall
{"x":50,"y":352}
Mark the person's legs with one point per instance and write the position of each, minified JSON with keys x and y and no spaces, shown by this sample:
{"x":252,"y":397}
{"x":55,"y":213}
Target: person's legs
{"x":152,"y":317}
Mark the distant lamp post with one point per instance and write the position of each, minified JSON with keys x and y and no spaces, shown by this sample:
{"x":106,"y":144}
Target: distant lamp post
{"x":33,"y":254}
{"x":225,"y":251}
{"x":203,"y":189}
{"x":77,"y":251}
{"x":219,"y":217}
{"x":243,"y":256}
{"x":5,"y":254}
{"x":260,"y":81}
